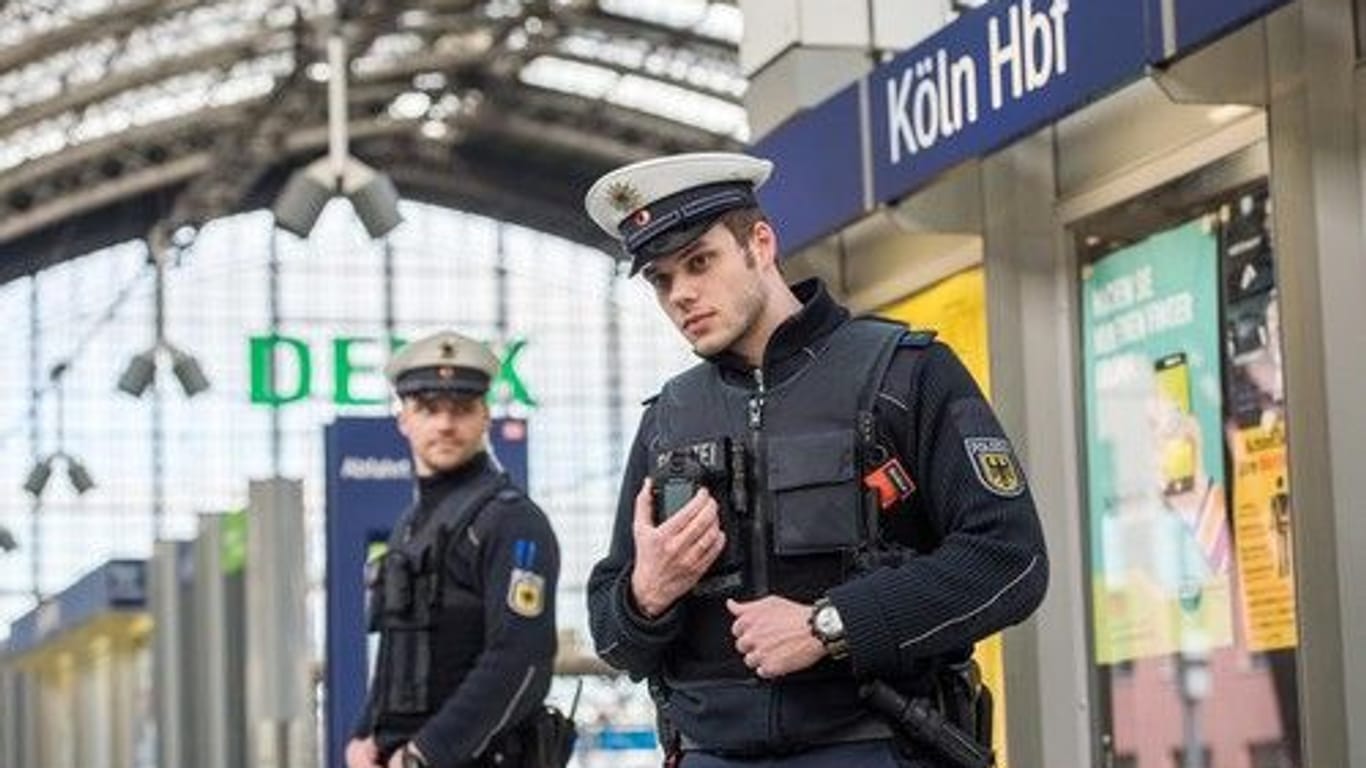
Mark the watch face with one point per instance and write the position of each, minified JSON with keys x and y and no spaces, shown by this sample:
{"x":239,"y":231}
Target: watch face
{"x":828,"y":621}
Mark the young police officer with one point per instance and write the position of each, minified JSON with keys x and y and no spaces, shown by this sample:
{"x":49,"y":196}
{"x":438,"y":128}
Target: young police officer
{"x":464,"y":597}
{"x":858,"y":512}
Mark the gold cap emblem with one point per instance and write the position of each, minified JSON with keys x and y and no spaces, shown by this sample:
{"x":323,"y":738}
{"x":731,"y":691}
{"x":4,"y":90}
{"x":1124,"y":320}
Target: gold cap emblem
{"x":624,"y":196}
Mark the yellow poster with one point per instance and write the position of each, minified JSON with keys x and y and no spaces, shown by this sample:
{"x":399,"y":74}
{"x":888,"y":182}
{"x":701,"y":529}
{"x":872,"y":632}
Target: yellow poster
{"x":1262,"y":514}
{"x":956,"y":308}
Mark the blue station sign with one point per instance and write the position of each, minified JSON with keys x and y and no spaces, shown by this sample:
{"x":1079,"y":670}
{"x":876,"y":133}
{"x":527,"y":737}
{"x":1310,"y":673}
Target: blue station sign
{"x":999,"y":72}
{"x":974,"y":87}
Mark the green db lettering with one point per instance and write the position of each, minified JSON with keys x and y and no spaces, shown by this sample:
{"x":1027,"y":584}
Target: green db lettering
{"x":343,"y":368}
{"x":269,"y":354}
{"x":265,"y":388}
{"x":508,"y":377}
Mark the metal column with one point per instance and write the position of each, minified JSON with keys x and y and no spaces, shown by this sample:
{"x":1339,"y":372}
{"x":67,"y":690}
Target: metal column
{"x":279,"y":719}
{"x":173,"y":656}
{"x":219,"y":683}
{"x":1316,"y":166}
{"x":1032,"y":317}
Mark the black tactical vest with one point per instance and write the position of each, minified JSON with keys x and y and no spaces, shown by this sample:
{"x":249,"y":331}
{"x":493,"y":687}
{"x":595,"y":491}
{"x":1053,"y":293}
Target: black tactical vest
{"x":430,"y":625}
{"x":807,"y":521}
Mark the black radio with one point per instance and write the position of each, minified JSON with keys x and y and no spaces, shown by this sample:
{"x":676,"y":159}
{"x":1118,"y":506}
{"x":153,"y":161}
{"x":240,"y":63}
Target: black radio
{"x":720,"y":466}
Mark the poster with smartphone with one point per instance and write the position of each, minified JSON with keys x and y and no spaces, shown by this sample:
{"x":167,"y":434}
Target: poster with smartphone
{"x":1160,"y":540}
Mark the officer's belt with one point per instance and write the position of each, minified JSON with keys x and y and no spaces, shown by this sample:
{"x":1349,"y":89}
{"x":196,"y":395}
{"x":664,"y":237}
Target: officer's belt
{"x":867,"y":729}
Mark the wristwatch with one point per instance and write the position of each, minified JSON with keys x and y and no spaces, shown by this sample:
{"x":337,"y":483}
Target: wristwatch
{"x":411,"y":759}
{"x":828,"y":627}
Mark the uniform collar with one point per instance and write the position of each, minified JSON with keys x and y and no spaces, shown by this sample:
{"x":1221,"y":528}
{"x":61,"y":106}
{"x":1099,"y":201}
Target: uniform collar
{"x":434,"y":489}
{"x":796,"y":340}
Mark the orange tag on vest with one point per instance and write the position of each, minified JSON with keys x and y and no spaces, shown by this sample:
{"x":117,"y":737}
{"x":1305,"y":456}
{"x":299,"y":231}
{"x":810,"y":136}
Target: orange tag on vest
{"x":891,"y":482}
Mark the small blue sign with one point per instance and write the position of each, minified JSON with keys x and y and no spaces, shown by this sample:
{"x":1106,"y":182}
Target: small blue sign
{"x":623,"y":739}
{"x":996,"y":74}
{"x":117,"y":585}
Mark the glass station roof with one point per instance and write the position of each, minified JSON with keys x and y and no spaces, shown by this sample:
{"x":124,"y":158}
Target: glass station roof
{"x":96,"y":80}
{"x":68,"y":77}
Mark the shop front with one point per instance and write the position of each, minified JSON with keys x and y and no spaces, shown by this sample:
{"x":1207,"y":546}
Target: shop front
{"x":1140,"y":225}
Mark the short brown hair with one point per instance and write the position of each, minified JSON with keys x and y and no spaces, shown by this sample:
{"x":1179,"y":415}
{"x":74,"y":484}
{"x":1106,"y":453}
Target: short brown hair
{"x":741,"y":221}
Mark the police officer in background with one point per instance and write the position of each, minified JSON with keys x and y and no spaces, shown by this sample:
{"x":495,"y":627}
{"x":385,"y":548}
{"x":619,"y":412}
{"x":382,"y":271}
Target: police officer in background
{"x":464,"y":596}
{"x":852,"y":510}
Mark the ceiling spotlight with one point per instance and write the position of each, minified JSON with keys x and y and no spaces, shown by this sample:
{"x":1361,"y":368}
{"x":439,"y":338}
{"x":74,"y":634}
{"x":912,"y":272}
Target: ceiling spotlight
{"x":188,"y":372}
{"x":142,"y":371}
{"x":37,"y":477}
{"x":375,"y":199}
{"x":302,"y":200}
{"x":79,"y":476}
{"x":7,"y":542}
{"x":139,"y":374}
{"x":372,"y":195}
{"x":76,"y":472}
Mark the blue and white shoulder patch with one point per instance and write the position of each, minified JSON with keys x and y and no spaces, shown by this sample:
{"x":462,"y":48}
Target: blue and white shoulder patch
{"x":997,"y":469}
{"x":526,"y":587}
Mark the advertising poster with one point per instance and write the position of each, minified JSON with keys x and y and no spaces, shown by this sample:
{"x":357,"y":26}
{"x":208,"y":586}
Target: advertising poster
{"x":955,"y":307}
{"x":1262,"y":508}
{"x":1261,"y":499}
{"x":1160,"y":540}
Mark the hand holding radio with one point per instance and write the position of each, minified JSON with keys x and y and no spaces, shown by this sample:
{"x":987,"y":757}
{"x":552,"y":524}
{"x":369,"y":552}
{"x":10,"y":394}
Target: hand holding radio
{"x":672,"y":556}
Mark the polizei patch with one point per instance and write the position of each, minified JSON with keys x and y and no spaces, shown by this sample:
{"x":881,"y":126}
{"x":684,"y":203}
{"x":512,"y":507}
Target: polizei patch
{"x":994,"y":462}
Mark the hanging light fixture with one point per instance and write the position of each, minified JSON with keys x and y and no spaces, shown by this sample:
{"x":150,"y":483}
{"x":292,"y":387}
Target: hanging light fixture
{"x":141,"y":372}
{"x":76,"y":473}
{"x":305,"y":194}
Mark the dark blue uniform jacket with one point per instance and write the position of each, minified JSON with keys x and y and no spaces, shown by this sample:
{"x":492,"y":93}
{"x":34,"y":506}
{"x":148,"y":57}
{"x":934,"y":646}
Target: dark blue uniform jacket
{"x":983,"y":565}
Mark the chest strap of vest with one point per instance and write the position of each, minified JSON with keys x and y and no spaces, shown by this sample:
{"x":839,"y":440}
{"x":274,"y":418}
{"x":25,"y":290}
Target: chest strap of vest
{"x":887,"y":480}
{"x":444,"y":529}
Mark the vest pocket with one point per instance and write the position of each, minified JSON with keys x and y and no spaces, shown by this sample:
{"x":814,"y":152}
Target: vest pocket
{"x":411,"y":657}
{"x":815,"y":492}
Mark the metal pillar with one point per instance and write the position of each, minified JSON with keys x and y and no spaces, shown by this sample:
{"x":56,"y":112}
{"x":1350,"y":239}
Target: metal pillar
{"x":218,"y":680}
{"x":35,"y":379}
{"x":158,"y":426}
{"x":1316,"y":165}
{"x":1032,"y":313}
{"x":279,"y":720}
{"x":273,"y":313}
{"x":173,"y":657}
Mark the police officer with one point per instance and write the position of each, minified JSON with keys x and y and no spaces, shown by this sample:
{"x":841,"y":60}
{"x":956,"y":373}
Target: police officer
{"x":464,"y":596}
{"x":885,"y":525}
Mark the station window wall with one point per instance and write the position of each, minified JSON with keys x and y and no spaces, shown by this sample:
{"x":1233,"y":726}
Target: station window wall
{"x":333,"y":298}
{"x":1188,"y":508}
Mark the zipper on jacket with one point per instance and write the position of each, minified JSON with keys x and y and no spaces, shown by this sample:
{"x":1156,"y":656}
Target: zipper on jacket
{"x":756,"y":402}
{"x":758,"y":534}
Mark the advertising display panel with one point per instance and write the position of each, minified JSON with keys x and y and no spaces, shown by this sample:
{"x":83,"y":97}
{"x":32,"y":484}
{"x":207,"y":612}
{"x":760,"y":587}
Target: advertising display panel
{"x":1256,"y":425}
{"x":1160,"y":539}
